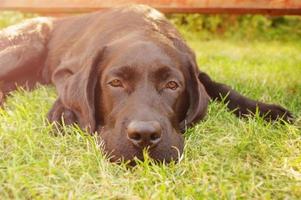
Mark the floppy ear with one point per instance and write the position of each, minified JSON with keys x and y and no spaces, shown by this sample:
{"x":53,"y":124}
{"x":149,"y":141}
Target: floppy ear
{"x":75,"y":81}
{"x":198,"y":97}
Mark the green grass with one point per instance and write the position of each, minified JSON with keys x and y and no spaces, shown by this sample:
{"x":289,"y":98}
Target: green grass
{"x":225,"y":157}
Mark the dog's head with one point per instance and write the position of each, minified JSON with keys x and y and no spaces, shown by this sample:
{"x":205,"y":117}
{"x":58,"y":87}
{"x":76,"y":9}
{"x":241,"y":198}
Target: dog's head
{"x":139,"y":94}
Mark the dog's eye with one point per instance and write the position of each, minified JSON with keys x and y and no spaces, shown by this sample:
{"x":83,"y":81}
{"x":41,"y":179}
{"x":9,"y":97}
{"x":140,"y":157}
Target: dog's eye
{"x":115,"y":83}
{"x":172,"y":85}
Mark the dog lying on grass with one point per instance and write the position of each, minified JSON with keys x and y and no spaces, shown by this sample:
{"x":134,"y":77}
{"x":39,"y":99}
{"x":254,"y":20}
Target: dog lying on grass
{"x":125,"y":73}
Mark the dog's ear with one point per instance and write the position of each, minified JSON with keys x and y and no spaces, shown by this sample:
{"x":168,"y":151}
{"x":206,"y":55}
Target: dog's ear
{"x":198,"y":97}
{"x":75,"y":81}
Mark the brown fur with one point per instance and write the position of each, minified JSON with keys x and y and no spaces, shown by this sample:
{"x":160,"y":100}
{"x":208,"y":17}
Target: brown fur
{"x":81,"y":55}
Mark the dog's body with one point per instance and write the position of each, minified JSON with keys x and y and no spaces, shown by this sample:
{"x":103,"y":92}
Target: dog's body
{"x":125,"y":72}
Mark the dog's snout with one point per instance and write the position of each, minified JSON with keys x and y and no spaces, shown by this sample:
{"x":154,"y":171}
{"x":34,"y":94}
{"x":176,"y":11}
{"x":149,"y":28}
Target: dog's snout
{"x":144,"y":133}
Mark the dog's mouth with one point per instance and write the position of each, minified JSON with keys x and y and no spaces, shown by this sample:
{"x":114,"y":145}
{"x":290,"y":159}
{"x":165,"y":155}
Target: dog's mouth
{"x":143,"y":155}
{"x":121,"y":150}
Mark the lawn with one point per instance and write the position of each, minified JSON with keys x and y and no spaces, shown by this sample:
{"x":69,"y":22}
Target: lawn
{"x":225,"y":157}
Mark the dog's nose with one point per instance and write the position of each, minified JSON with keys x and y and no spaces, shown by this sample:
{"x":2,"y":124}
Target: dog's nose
{"x":144,"y":133}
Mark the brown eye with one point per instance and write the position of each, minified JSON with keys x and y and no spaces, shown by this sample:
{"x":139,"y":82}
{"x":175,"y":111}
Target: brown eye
{"x":115,"y":83}
{"x":172,"y":85}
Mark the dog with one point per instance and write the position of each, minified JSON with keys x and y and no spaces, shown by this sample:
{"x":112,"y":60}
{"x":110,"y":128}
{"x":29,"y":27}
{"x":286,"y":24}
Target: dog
{"x":124,"y":73}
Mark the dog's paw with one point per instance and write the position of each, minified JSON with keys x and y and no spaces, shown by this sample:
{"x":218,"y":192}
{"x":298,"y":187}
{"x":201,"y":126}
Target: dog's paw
{"x":273,"y":112}
{"x":61,"y":115}
{"x":1,"y":98}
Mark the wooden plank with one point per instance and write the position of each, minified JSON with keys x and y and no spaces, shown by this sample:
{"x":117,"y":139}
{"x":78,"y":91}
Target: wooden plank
{"x":73,"y":10}
{"x":164,"y":3}
{"x":273,"y":7}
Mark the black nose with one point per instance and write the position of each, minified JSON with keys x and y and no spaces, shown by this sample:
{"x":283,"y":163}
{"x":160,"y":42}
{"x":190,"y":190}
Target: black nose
{"x":144,"y":133}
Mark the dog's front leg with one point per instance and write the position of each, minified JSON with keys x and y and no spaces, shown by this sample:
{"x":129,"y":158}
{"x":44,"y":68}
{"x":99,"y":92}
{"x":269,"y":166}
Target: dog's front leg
{"x":243,"y":106}
{"x":61,"y":115}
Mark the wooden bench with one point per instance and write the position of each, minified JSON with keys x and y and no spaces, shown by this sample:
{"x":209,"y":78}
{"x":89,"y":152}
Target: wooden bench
{"x":55,"y":7}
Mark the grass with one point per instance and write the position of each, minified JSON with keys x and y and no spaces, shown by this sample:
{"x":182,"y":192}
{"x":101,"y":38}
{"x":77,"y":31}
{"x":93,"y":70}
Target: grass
{"x":225,"y":157}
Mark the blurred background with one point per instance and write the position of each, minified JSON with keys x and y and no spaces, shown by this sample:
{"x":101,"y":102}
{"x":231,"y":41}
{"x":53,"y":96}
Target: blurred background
{"x":238,"y":19}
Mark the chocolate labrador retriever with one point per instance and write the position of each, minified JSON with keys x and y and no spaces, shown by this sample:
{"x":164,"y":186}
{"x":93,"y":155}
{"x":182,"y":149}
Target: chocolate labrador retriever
{"x":125,"y":73}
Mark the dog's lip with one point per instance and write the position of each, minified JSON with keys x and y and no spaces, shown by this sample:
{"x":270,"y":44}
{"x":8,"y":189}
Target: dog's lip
{"x":140,"y":158}
{"x":138,"y":153}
